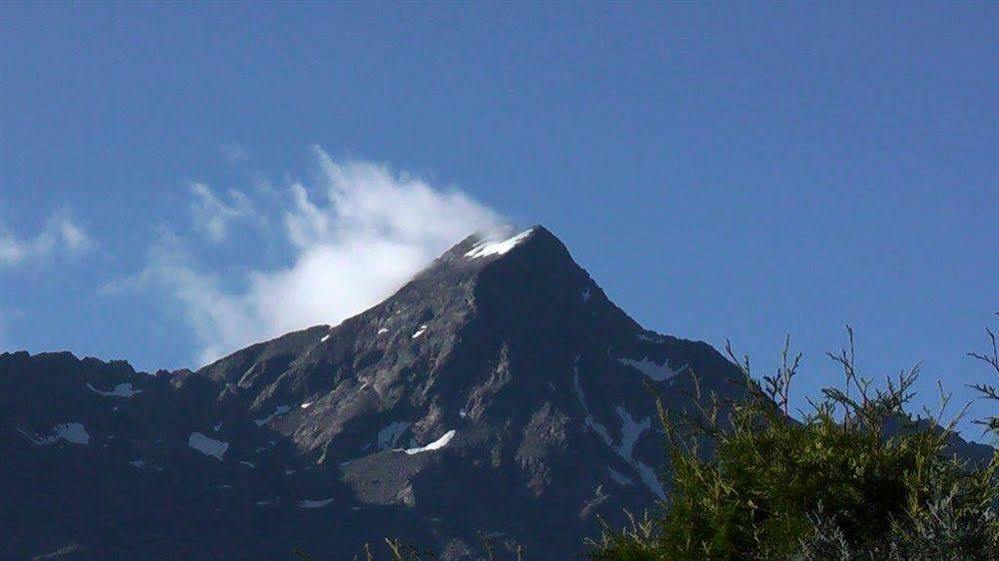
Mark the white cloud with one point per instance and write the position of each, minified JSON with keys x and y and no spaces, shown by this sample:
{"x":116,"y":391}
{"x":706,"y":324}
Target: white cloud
{"x":212,"y":215}
{"x":355,"y":237}
{"x":60,"y":232}
{"x":73,"y":237}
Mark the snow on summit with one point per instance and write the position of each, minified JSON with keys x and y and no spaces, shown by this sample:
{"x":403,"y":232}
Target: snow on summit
{"x":487,"y":248}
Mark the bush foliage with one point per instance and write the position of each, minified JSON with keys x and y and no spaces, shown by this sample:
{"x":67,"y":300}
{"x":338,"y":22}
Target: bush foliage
{"x":858,"y":478}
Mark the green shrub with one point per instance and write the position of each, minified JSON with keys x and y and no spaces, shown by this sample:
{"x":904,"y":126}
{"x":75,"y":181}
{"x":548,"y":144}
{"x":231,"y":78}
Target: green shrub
{"x":856,"y":479}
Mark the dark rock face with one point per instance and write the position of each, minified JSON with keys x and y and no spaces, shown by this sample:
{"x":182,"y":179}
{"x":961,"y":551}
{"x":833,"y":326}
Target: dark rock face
{"x":499,"y":392}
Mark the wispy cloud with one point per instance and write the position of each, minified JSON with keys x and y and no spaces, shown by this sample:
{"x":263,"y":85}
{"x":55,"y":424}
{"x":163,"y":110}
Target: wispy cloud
{"x":354,"y":236}
{"x":212,"y":215}
{"x":59,"y":233}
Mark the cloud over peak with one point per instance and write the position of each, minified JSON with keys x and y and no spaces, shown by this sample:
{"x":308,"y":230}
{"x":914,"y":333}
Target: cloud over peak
{"x":350,"y":238}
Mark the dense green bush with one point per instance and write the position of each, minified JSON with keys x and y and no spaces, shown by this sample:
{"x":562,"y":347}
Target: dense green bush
{"x":856,"y":479}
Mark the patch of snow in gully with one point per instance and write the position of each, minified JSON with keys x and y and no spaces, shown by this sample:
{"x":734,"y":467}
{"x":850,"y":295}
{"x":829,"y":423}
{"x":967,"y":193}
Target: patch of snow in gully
{"x":650,"y":479}
{"x":207,"y":446}
{"x":619,"y":478}
{"x":419,"y":331}
{"x":435,"y":445}
{"x":278,"y":411}
{"x":656,"y":372}
{"x":312,"y":503}
{"x":74,"y":433}
{"x":121,"y":390}
{"x":590,"y":422}
{"x":631,"y":430}
{"x":650,"y":337}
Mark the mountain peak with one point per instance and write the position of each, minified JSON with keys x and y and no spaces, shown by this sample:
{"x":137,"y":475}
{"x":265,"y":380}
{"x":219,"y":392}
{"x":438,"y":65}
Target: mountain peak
{"x":489,"y":246}
{"x":517,"y":271}
{"x":501,"y":375}
{"x":484,"y":247}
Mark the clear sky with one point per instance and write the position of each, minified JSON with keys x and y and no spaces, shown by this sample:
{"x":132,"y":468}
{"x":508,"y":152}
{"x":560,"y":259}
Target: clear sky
{"x":176,"y":182}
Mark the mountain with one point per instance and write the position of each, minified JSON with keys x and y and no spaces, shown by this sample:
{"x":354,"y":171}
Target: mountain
{"x":499,"y":393}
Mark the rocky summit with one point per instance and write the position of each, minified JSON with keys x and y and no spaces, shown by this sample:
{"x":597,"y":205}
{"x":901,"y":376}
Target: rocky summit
{"x":498,"y":395}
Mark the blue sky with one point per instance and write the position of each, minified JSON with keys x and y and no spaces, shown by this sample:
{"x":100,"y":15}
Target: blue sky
{"x":172,"y":179}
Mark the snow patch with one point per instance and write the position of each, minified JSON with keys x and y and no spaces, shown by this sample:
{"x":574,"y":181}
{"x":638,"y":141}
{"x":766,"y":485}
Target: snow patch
{"x":419,"y":331}
{"x":121,"y":390}
{"x":388,"y":436}
{"x":487,"y":248}
{"x":655,"y":371}
{"x":325,"y":338}
{"x":74,"y":433}
{"x":138,"y":464}
{"x":382,"y":331}
{"x":631,"y":430}
{"x":619,"y":478}
{"x":207,"y":446}
{"x":435,"y":445}
{"x":306,"y":404}
{"x":311,"y":503}
{"x":650,"y":337}
{"x":250,"y":465}
{"x":586,"y":294}
{"x":650,"y":479}
{"x":589,"y":420}
{"x":217,"y":426}
{"x":278,"y":411}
